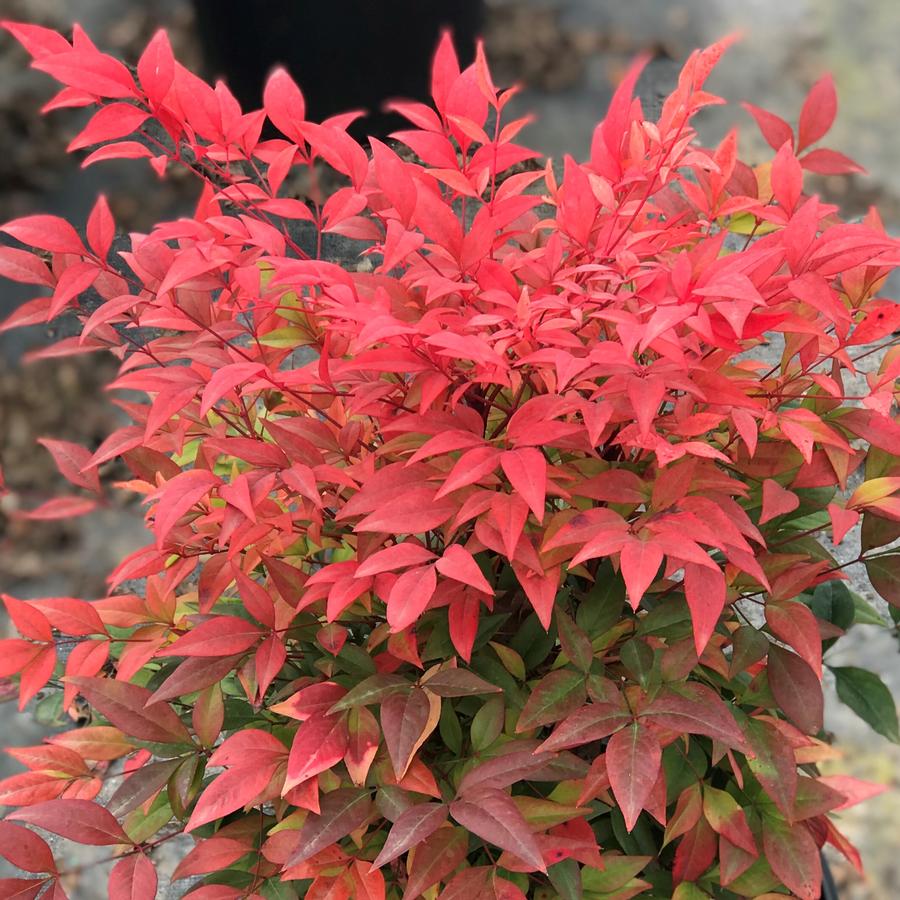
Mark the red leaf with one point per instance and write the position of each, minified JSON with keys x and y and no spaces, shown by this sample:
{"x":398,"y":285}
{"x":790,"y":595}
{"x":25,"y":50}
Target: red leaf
{"x":494,"y":817}
{"x":773,"y":765}
{"x":30,"y":622}
{"x":249,"y":743}
{"x":364,"y":737}
{"x":508,"y":514}
{"x":320,"y":743}
{"x":218,"y":636}
{"x":842,"y":520}
{"x":407,"y":720}
{"x":585,"y":725}
{"x":35,"y":675}
{"x":633,"y":759}
{"x":796,"y":689}
{"x":695,"y":708}
{"x":89,"y":71}
{"x":394,"y":180}
{"x":526,"y":470}
{"x":409,"y":597}
{"x":46,"y":233}
{"x":457,"y":563}
{"x":212,"y":855}
{"x":413,"y":827}
{"x":705,"y":592}
{"x":882,"y":318}
{"x":415,"y":511}
{"x":227,"y":379}
{"x":787,"y":178}
{"x":194,"y":674}
{"x":795,"y":625}
{"x":232,"y":790}
{"x":640,"y":561}
{"x":25,"y":888}
{"x":818,"y":112}
{"x":24,"y":849}
{"x":695,"y":853}
{"x":36,"y":39}
{"x":773,"y":128}
{"x":397,"y":556}
{"x":829,"y":162}
{"x":124,"y":705}
{"x":24,"y":267}
{"x":156,"y":68}
{"x":444,"y":71}
{"x":776,"y":501}
{"x":77,"y":820}
{"x":463,"y":617}
{"x":101,"y":229}
{"x":435,"y":859}
{"x":132,"y":878}
{"x":178,"y":495}
{"x":59,"y":508}
{"x":118,"y":150}
{"x":112,"y":122}
{"x":76,"y":617}
{"x":540,"y":590}
{"x":794,"y":857}
{"x":284,"y":105}
{"x":87,"y":659}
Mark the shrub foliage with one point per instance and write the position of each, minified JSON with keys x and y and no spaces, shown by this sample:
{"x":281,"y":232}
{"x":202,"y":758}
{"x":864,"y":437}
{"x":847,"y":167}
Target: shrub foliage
{"x":485,"y":565}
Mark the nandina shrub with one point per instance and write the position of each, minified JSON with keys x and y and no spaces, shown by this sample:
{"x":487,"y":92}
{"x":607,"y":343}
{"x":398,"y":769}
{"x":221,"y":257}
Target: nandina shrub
{"x":510,"y":586}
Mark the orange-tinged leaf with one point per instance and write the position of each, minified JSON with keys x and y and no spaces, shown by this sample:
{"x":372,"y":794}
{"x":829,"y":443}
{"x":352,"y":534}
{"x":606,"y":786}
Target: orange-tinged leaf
{"x":78,"y":820}
{"x":217,"y":636}
{"x":407,"y":720}
{"x":125,"y":705}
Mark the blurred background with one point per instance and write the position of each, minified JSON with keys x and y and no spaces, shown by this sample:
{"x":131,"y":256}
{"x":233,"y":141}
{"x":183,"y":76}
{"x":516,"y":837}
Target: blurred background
{"x":568,"y":54}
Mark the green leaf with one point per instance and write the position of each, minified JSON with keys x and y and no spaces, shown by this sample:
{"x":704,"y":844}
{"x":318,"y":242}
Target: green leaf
{"x":450,"y":729}
{"x":878,"y":531}
{"x":370,"y":690}
{"x":832,"y":602}
{"x":603,"y":606}
{"x":575,"y":643}
{"x":884,"y":574}
{"x":864,"y":613}
{"x":532,"y":643}
{"x":459,"y":683}
{"x":565,"y":876}
{"x":866,"y":694}
{"x":553,"y":698}
{"x":487,"y":725}
{"x":617,"y":871}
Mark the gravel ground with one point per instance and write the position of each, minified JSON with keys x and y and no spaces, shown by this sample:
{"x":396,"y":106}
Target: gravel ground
{"x":569,"y":53}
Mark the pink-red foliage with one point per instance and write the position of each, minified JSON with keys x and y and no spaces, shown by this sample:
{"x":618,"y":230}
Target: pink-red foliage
{"x":455,"y":534}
